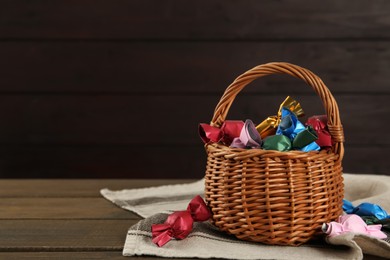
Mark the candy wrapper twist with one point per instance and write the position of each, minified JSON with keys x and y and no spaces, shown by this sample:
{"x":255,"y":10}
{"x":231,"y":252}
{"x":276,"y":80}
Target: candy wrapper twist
{"x":352,"y":223}
{"x":179,"y":224}
{"x":268,"y":126}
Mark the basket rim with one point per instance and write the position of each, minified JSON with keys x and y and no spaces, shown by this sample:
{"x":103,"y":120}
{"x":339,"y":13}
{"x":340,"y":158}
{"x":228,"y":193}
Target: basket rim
{"x":241,"y":153}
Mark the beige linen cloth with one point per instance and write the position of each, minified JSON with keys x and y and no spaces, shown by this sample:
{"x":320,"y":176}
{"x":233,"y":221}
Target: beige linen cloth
{"x":155,"y":203}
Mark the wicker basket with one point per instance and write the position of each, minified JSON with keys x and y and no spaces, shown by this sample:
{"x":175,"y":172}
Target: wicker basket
{"x":272,"y":197}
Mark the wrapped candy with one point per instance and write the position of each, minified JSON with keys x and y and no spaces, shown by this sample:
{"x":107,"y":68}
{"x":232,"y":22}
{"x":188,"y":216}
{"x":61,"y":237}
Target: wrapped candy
{"x":352,"y":223}
{"x":228,"y":131}
{"x":385,"y":224}
{"x":268,"y":126}
{"x":371,"y":220}
{"x":289,"y":124}
{"x":365,"y":209}
{"x":297,"y":136}
{"x":311,"y":147}
{"x":249,"y":137}
{"x":179,"y":224}
{"x":277,"y":142}
{"x":319,"y":123}
{"x":302,"y":138}
{"x":306,"y":139}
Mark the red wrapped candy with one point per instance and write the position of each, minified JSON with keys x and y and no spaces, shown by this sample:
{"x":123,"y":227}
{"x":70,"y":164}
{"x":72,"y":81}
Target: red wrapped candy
{"x":319,"y":124}
{"x":228,"y":131}
{"x":179,"y":224}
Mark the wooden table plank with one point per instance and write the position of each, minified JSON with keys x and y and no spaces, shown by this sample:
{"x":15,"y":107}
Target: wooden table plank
{"x":194,"y":67}
{"x":62,"y":208}
{"x":57,"y":188}
{"x":99,"y":19}
{"x":103,"y":120}
{"x":115,"y":159}
{"x":63,"y":235}
{"x":112,"y":255}
{"x":65,"y":238}
{"x":115,"y":255}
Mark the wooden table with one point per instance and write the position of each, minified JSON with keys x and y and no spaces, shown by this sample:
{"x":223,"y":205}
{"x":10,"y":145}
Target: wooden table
{"x":66,"y":219}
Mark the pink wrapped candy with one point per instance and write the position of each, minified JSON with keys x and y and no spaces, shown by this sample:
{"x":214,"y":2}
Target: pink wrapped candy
{"x":352,"y":223}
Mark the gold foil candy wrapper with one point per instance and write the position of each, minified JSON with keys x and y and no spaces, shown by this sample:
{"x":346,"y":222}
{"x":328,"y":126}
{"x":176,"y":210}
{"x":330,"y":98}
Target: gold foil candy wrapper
{"x":268,"y":126}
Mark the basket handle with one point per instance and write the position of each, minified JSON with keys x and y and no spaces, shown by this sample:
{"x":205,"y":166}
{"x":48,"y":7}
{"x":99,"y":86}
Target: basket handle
{"x":334,"y":123}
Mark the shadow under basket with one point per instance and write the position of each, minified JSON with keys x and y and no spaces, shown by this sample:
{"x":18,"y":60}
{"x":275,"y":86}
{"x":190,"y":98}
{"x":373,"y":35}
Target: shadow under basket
{"x":272,"y":197}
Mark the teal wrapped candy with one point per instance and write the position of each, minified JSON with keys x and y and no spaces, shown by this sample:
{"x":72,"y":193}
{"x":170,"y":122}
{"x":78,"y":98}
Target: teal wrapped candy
{"x":311,"y":147}
{"x":304,"y":138}
{"x":277,"y":142}
{"x":372,"y":220}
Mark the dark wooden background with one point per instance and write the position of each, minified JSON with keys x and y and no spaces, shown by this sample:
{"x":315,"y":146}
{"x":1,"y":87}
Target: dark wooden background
{"x":98,"y":88}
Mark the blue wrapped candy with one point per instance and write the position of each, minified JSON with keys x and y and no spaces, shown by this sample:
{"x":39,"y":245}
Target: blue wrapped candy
{"x":311,"y":147}
{"x":365,"y":209}
{"x":290,"y":126}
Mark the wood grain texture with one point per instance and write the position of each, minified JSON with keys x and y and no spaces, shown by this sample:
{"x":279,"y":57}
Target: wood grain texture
{"x":198,"y":20}
{"x":103,"y":162}
{"x":66,"y":238}
{"x":100,"y":89}
{"x":189,"y":67}
{"x":79,"y":78}
{"x":366,"y":159}
{"x":112,"y":255}
{"x":63,"y":235}
{"x":186,"y":162}
{"x":148,"y":120}
{"x":62,"y":208}
{"x":74,"y":188}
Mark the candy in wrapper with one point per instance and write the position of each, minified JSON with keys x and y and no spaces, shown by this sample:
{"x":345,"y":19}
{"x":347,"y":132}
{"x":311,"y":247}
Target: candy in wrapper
{"x":311,"y":147}
{"x":277,"y":142}
{"x":371,"y":220}
{"x":269,"y":125}
{"x":229,"y":130}
{"x":209,"y":133}
{"x":289,"y":125}
{"x":352,"y":223}
{"x":304,"y":138}
{"x":179,"y":224}
{"x":365,"y":209}
{"x":319,"y":123}
{"x":249,"y":137}
{"x":385,"y":224}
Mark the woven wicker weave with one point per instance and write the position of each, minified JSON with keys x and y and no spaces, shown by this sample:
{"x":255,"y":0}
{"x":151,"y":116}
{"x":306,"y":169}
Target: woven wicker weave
{"x":275,"y":197}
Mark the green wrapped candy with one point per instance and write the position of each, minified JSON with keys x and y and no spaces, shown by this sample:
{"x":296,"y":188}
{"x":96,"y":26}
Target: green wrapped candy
{"x":372,"y":220}
{"x":277,"y":142}
{"x":304,"y":138}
